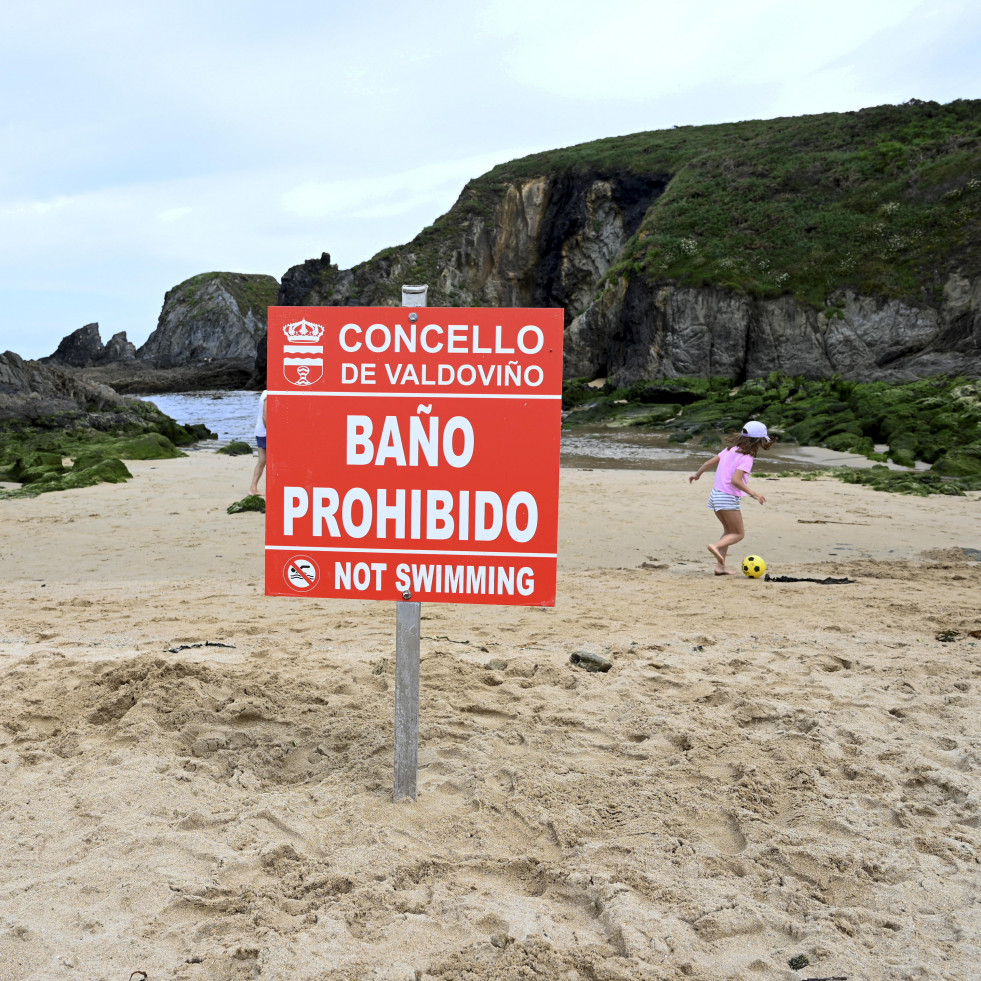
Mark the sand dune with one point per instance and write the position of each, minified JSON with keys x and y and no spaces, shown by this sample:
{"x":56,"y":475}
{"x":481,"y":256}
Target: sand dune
{"x":197,"y":779}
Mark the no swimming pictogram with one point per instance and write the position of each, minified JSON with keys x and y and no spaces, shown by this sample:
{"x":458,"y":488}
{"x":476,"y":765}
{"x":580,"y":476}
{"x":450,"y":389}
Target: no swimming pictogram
{"x":301,"y":573}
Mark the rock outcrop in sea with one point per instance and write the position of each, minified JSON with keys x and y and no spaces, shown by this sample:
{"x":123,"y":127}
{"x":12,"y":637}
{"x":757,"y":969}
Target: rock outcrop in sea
{"x":211,"y":317}
{"x":48,"y":413}
{"x":83,"y":348}
{"x":31,"y":391}
{"x":206,"y":337}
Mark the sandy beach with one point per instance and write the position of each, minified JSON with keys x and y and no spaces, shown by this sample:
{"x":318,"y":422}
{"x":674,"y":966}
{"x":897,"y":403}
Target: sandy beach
{"x":196,"y":779}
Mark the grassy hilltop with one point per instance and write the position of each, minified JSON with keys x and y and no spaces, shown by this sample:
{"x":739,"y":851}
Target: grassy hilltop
{"x":886,"y":201}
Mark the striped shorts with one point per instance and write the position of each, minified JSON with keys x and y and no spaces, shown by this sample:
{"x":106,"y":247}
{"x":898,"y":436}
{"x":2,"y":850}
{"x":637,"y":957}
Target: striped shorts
{"x":720,"y":501}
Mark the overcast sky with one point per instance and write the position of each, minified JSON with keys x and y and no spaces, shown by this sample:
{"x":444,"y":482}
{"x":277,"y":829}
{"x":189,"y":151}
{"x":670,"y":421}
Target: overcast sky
{"x":143,"y":143}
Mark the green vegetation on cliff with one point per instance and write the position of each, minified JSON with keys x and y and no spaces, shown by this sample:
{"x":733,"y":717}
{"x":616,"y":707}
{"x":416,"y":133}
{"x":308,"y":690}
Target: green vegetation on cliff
{"x":253,"y":292}
{"x":885,"y":201}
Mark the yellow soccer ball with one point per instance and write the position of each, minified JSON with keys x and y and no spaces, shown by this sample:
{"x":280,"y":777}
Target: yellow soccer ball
{"x":753,"y":566}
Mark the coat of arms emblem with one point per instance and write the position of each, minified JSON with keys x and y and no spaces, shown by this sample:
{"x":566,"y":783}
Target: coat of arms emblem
{"x":303,"y":356}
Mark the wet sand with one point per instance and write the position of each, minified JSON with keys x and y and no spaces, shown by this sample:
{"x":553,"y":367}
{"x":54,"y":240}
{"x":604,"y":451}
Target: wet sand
{"x":197,"y":778}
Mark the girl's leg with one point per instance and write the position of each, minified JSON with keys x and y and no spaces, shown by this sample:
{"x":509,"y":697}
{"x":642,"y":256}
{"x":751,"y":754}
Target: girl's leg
{"x":257,"y":473}
{"x":733,"y":531}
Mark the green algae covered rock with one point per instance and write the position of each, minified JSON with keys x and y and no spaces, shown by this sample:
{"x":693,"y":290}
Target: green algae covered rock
{"x":33,"y":475}
{"x":656,"y":415}
{"x":921,"y":483}
{"x":934,"y":420}
{"x":236,"y":448}
{"x":152,"y":446}
{"x":111,"y":471}
{"x":30,"y":467}
{"x":48,"y":415}
{"x":254,"y":502}
{"x":960,"y":461}
{"x":92,"y":458}
{"x":47,"y":459}
{"x":850,"y":442}
{"x":36,"y":460}
{"x":150,"y":419}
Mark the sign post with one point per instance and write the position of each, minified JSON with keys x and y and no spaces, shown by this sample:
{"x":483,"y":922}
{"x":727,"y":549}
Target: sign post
{"x":408,"y":616}
{"x":414,"y":457}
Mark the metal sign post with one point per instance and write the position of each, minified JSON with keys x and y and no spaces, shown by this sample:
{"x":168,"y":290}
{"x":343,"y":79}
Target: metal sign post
{"x":408,"y":616}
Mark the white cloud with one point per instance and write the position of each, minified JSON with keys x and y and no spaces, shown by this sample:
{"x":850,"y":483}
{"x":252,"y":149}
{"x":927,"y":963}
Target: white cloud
{"x":637,"y":50}
{"x":174,"y":214}
{"x":144,"y":238}
{"x":391,"y":193}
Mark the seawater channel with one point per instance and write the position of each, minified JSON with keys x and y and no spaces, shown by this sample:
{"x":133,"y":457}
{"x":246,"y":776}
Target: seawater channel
{"x":232,"y":416}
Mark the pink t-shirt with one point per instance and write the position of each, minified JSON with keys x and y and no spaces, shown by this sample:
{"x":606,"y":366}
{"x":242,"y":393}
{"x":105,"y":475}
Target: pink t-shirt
{"x":730,"y":461}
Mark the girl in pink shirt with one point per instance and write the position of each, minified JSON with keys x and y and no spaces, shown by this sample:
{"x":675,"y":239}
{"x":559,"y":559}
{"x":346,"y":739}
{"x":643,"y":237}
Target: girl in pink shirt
{"x":733,"y":465}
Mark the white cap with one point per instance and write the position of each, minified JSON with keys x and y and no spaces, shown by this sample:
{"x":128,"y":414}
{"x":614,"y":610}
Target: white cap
{"x":755,"y":430}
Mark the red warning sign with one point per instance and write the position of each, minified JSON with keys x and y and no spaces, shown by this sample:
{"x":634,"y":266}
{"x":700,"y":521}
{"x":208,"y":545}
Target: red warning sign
{"x":413,"y":453}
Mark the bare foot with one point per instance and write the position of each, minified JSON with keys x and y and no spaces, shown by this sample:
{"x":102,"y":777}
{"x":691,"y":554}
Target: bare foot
{"x":719,"y":571}
{"x":720,"y":558}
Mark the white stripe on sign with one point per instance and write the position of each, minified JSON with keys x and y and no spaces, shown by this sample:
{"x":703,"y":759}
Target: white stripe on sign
{"x":304,"y":348}
{"x":416,"y":551}
{"x":426,"y":393}
{"x":303,"y":360}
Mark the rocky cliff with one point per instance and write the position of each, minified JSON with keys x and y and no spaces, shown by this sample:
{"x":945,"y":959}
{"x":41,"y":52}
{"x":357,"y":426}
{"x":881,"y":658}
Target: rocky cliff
{"x":547,"y":242}
{"x":31,"y":391}
{"x":47,"y":413}
{"x":37,"y":397}
{"x":214,"y":316}
{"x":206,"y":337}
{"x":84,"y":347}
{"x":842,"y":243}
{"x":637,"y":330}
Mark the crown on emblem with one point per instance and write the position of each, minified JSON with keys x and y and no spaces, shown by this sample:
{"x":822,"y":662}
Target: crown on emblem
{"x":303,"y":332}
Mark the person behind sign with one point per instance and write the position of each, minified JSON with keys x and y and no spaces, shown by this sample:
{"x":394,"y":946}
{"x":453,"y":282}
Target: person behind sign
{"x":260,"y":442}
{"x":733,"y":466}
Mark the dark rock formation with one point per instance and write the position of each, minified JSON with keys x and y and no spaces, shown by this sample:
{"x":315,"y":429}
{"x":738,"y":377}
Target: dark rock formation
{"x":547,"y":243}
{"x":632,"y":332}
{"x":83,"y":348}
{"x":551,"y":242}
{"x":136,"y":377}
{"x":840,"y":243}
{"x":80,"y":348}
{"x":31,"y":391}
{"x":211,"y":317}
{"x":47,"y":413}
{"x":258,"y":380}
{"x":44,"y":397}
{"x":118,"y":348}
{"x":206,"y":338}
{"x":305,"y":279}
